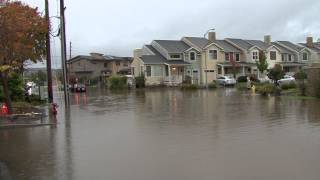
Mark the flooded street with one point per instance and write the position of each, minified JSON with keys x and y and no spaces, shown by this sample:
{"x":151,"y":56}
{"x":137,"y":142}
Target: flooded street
{"x":170,"y":134}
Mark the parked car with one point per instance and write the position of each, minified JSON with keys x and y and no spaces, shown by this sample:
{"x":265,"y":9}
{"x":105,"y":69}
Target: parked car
{"x":226,"y":80}
{"x":287,"y":80}
{"x":80,"y":88}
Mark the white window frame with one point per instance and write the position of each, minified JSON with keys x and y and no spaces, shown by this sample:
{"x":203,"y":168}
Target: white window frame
{"x":255,"y":55}
{"x":175,"y":55}
{"x":213,"y":52}
{"x":225,"y":57}
{"x":237,"y":54}
{"x":275,"y":55}
{"x":305,"y":53}
{"x":195,"y":56}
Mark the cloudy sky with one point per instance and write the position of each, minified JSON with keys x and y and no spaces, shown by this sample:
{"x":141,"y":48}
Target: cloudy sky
{"x":118,"y":26}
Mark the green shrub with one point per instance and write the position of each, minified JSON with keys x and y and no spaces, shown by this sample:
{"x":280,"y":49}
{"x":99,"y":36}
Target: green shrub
{"x":140,"y":82}
{"x":212,"y":85}
{"x":117,"y":82}
{"x":265,"y":89}
{"x":241,"y":86}
{"x":291,"y":85}
{"x":189,"y":87}
{"x":242,"y":79}
{"x":16,"y":89}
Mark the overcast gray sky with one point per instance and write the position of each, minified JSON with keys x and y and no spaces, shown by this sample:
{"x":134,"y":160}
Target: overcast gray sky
{"x":117,"y":27}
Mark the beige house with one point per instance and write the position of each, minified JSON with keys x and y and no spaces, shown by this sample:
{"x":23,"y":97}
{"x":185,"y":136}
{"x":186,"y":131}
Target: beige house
{"x":98,"y":66}
{"x":201,"y":61}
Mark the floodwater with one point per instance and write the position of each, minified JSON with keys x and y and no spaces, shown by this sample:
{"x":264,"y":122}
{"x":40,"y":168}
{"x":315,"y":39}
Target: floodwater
{"x":170,"y":134}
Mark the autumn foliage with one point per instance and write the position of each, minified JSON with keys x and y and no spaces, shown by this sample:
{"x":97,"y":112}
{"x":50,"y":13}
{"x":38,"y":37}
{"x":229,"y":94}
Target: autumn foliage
{"x":22,"y":37}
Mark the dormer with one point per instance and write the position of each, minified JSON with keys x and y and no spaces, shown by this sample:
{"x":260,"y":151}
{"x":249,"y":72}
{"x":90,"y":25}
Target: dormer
{"x":170,"y":49}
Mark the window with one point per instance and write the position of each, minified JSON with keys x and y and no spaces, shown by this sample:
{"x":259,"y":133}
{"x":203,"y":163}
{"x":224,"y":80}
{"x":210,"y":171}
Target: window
{"x":117,"y":63}
{"x":273,"y":55}
{"x":105,"y":65}
{"x":290,"y":57}
{"x":237,"y":57}
{"x":192,"y":56}
{"x":125,"y":64}
{"x":255,"y":55}
{"x":227,"y":56}
{"x":304,"y":56}
{"x":213,"y":54}
{"x":157,"y":71}
{"x":283,"y":57}
{"x":175,"y":56}
{"x":148,"y":71}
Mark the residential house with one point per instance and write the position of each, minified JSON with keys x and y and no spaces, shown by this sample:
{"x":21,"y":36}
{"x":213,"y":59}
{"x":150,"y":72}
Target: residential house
{"x":298,"y":57}
{"x":161,"y":62}
{"x":98,"y":66}
{"x":314,"y":47}
{"x":201,"y":61}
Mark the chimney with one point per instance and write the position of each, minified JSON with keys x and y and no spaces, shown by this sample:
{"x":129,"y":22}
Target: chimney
{"x":97,"y":55}
{"x":267,"y":39}
{"x":310,"y":42}
{"x":212,"y":36}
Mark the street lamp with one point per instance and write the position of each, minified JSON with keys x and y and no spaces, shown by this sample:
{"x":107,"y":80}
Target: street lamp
{"x":205,"y":56}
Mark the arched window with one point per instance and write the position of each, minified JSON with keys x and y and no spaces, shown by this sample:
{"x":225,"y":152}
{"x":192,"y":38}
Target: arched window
{"x":192,"y":56}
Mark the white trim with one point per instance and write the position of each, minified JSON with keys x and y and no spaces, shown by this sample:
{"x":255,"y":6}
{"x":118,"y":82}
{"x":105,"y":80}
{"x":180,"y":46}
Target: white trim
{"x":195,"y":56}
{"x":213,"y":44}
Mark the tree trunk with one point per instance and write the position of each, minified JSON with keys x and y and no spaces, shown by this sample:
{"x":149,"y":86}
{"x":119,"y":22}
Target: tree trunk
{"x":4,"y":77}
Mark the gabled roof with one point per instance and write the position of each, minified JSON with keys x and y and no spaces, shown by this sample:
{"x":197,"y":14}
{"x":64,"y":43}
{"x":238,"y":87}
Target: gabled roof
{"x":157,"y":58}
{"x":173,"y":46}
{"x":199,"y":42}
{"x":283,"y":50}
{"x":102,"y":58}
{"x":227,"y":47}
{"x":240,"y":43}
{"x":315,"y":48}
{"x":260,"y":44}
{"x":291,"y":45}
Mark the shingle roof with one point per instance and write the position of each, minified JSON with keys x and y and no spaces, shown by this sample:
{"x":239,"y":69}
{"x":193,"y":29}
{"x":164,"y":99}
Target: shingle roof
{"x":291,"y":45}
{"x":159,"y":59}
{"x":153,"y":59}
{"x":260,"y":44}
{"x":103,"y":58}
{"x":282,"y":49}
{"x":199,"y":42}
{"x":173,"y":46}
{"x":241,"y":43}
{"x":315,"y":48}
{"x":203,"y":42}
{"x":227,"y":47}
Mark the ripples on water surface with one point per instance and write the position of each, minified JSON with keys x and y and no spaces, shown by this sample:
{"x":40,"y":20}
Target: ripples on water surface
{"x":171,"y":135}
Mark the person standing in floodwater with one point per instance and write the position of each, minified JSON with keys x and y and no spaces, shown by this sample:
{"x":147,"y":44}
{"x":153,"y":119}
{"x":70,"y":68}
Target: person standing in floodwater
{"x":248,"y":82}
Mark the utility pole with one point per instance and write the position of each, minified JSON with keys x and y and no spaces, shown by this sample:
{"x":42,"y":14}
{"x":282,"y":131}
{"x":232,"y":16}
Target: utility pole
{"x":70,"y":49}
{"x":64,"y":53}
{"x":48,"y":53}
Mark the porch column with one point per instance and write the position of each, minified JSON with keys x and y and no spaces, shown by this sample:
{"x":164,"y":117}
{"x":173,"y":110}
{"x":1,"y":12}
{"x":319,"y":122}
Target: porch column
{"x":222,"y":70}
{"x":243,"y":71}
{"x":169,"y":74}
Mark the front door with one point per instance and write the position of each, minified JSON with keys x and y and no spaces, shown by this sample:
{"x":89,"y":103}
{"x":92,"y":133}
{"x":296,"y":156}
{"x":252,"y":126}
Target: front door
{"x":195,"y":77}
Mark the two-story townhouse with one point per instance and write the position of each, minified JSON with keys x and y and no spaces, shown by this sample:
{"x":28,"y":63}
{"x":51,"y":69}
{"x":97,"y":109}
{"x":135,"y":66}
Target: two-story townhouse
{"x":162,"y":62}
{"x":98,"y":66}
{"x":218,"y":57}
{"x":314,"y":48}
{"x":301,"y":57}
{"x":250,"y":54}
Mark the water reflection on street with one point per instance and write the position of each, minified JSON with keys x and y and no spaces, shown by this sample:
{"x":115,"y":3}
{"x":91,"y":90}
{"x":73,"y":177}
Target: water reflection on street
{"x":163,"y":134}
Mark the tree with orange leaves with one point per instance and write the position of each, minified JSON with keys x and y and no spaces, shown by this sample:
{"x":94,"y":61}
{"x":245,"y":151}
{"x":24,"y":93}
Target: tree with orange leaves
{"x":22,"y":38}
